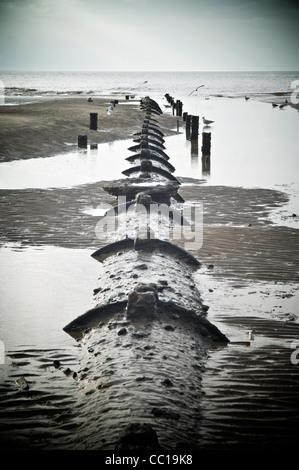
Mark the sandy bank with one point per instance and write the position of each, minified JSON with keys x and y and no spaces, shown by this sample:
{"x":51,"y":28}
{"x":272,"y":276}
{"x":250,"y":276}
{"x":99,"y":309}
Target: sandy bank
{"x":44,"y":129}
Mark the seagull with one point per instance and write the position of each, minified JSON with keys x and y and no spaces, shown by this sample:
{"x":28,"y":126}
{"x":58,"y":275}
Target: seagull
{"x":274,"y":105}
{"x":111,"y":108}
{"x":282,"y":106}
{"x":195,"y":89}
{"x":206,"y":121}
{"x":246,"y":98}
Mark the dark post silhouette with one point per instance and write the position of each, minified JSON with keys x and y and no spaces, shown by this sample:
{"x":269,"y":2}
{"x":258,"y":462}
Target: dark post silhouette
{"x":194,"y":127}
{"x":179,"y":108}
{"x":206,"y":143}
{"x":188,"y":124}
{"x":82,"y":141}
{"x":206,"y":152}
{"x":93,"y":121}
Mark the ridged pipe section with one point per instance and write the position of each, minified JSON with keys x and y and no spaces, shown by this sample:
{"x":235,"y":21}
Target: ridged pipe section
{"x":145,"y":341}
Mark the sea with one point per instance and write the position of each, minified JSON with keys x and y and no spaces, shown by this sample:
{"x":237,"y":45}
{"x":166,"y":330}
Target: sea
{"x":19,"y":87}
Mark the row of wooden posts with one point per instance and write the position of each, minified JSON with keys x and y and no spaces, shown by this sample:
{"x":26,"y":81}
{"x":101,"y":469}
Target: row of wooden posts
{"x":192,"y":124}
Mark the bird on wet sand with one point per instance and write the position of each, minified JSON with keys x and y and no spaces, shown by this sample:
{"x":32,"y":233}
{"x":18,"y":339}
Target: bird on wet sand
{"x":207,"y":122}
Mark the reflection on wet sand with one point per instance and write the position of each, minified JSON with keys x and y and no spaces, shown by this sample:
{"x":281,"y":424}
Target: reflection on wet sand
{"x":206,"y":153}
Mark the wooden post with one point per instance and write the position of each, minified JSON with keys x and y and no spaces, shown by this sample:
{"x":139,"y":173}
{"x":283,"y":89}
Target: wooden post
{"x":188,"y":123}
{"x":185,"y":116}
{"x":93,"y":121}
{"x":206,"y":152}
{"x":179,"y":108}
{"x":82,"y":141}
{"x":206,"y":143}
{"x":194,"y":127}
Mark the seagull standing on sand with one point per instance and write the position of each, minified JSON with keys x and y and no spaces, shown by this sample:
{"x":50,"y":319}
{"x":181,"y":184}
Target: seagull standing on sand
{"x":206,"y":121}
{"x":195,"y":89}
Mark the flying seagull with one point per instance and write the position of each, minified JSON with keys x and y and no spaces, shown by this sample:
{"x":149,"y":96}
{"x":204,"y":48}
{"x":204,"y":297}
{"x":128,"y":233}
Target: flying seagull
{"x":206,"y":121}
{"x":195,"y":89}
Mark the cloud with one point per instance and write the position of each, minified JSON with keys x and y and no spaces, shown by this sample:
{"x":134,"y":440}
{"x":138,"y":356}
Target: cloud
{"x":148,"y":34}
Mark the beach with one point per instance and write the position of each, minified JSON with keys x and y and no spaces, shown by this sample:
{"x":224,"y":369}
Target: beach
{"x":47,"y":128}
{"x":249,"y":278}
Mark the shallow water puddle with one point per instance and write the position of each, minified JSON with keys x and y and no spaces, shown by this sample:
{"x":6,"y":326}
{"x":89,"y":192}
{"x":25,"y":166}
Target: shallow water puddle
{"x":104,"y":163}
{"x":252,"y":145}
{"x":250,"y":311}
{"x":41,"y":290}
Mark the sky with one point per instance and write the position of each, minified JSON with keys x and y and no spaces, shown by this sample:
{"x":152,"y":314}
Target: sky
{"x":149,"y":35}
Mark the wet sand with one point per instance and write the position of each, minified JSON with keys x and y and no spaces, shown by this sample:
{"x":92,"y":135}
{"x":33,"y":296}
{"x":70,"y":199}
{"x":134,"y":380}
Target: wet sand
{"x":45,"y":129}
{"x":249,"y":279}
{"x":238,"y":243}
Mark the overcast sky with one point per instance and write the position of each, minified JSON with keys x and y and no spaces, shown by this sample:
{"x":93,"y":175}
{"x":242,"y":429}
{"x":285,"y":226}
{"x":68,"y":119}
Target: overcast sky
{"x":149,"y":35}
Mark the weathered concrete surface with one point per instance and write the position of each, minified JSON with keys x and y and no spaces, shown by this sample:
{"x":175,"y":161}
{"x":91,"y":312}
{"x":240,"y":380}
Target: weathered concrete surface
{"x":150,"y":139}
{"x":150,"y":169}
{"x":159,"y":188}
{"x":142,"y":372}
{"x":161,"y":266}
{"x":157,"y":150}
{"x":151,"y":133}
{"x":154,"y":158}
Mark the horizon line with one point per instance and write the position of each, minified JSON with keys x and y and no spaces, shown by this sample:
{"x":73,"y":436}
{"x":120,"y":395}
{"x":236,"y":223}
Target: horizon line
{"x":147,"y":71}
